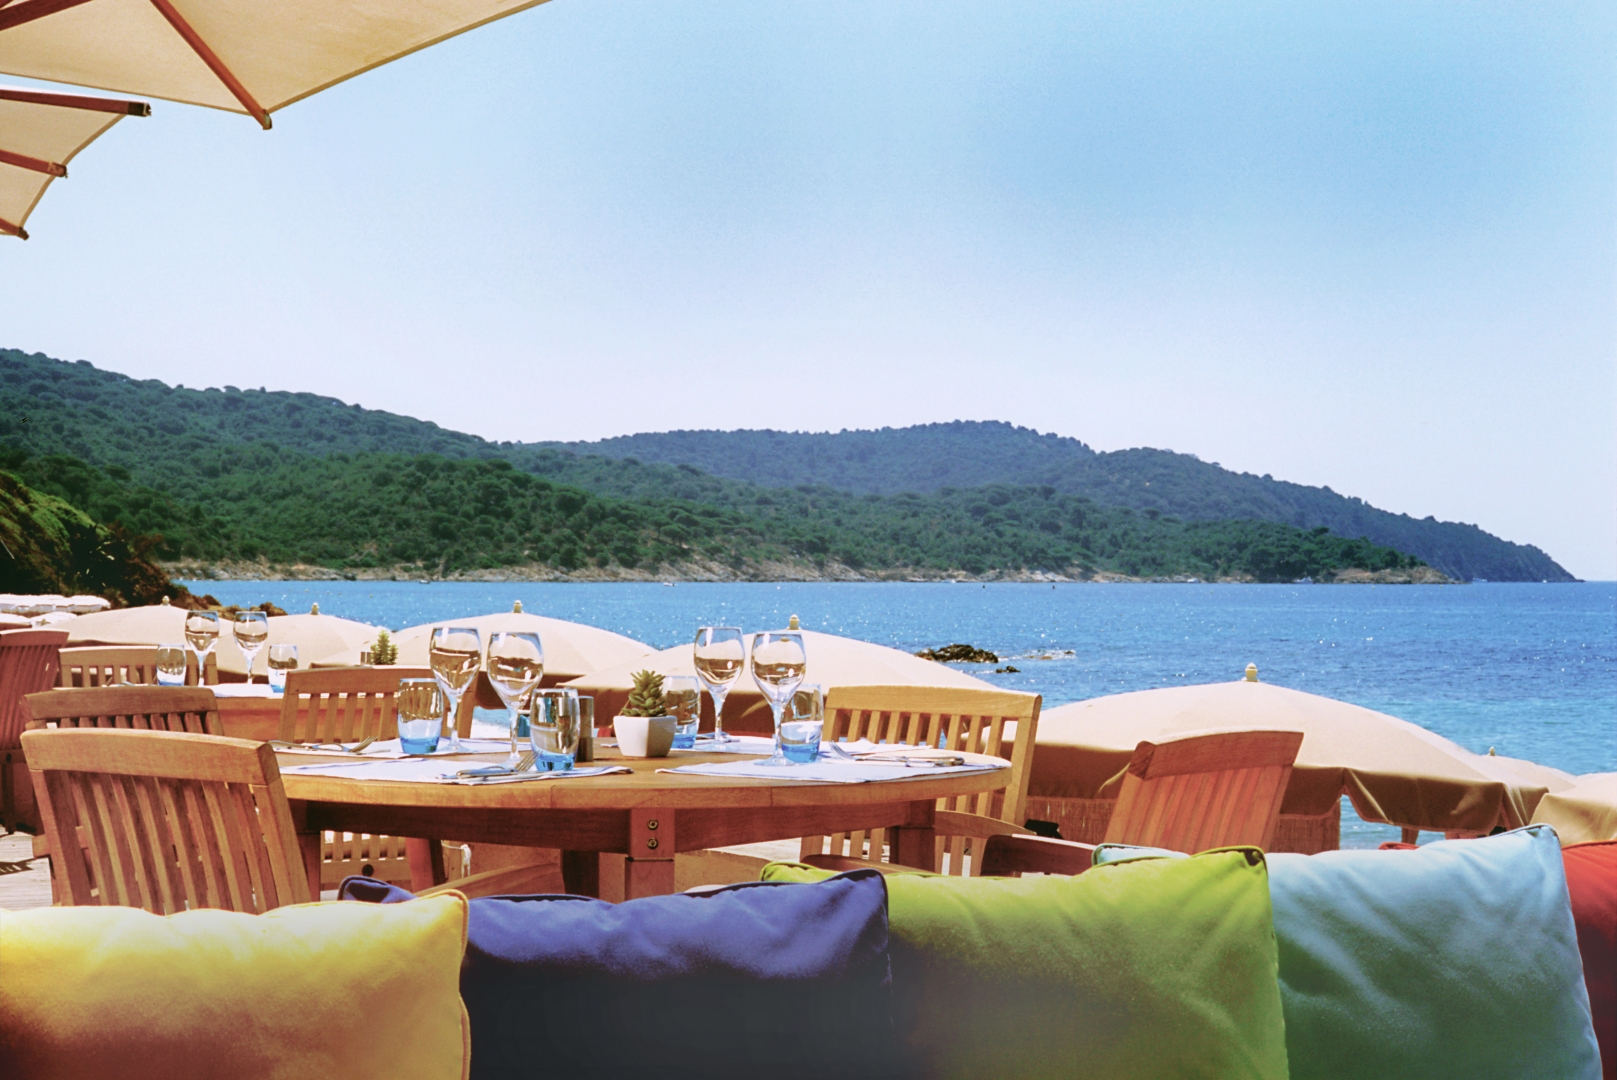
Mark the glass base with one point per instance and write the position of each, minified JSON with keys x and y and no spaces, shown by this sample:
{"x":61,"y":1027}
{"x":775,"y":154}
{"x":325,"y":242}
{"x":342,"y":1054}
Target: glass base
{"x":549,"y":762}
{"x":418,"y":746}
{"x":686,"y":741}
{"x":801,"y":753}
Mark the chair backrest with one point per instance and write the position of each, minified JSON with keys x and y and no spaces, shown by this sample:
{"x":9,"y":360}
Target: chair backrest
{"x":141,"y":708}
{"x":165,"y":821}
{"x":27,"y":666}
{"x":343,"y":704}
{"x":1204,"y":791}
{"x":88,"y":666}
{"x":975,"y":721}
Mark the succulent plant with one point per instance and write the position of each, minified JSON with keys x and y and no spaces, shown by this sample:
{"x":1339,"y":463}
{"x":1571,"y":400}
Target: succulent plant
{"x":646,"y":699}
{"x":384,"y":651}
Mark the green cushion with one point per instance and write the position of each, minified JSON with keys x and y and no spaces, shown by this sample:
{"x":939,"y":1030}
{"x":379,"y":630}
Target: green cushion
{"x":1158,"y":968}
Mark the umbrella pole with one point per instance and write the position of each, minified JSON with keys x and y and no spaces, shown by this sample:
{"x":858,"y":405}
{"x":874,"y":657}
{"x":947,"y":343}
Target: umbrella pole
{"x":216,"y":65}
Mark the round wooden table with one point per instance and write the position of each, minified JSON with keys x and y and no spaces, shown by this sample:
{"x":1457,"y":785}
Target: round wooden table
{"x":648,"y":816}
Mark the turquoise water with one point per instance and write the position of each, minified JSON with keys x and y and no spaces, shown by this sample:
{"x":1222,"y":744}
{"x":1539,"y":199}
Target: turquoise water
{"x":1530,"y":670}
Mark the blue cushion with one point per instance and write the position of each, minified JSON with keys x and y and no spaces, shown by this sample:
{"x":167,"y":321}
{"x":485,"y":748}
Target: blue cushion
{"x":753,"y":979}
{"x":1458,"y":960}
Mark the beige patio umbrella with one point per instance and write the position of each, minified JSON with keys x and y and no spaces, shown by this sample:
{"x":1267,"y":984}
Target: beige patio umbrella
{"x":1586,"y":810}
{"x":239,"y":55}
{"x":1393,"y":771}
{"x":832,"y":661}
{"x":322,"y":640}
{"x":571,"y":649}
{"x":40,"y":132}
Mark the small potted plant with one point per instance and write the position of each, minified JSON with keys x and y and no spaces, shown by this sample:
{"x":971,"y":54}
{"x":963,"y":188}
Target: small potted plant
{"x":643,"y":726}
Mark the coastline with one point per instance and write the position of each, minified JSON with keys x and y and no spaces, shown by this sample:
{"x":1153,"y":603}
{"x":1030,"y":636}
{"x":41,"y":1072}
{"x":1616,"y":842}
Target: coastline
{"x":754,"y":571}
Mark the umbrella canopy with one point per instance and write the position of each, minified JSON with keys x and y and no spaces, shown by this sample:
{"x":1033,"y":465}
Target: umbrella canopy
{"x":322,"y":640}
{"x":40,"y":132}
{"x":1585,"y":810}
{"x":571,"y":649}
{"x":251,"y":58}
{"x":1394,"y":771}
{"x":832,"y":661}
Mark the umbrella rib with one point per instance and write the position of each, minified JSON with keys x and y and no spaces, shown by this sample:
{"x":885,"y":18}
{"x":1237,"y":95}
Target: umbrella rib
{"x":28,"y":10}
{"x":14,"y":230}
{"x":23,"y":161}
{"x":75,"y":101}
{"x":209,"y":57}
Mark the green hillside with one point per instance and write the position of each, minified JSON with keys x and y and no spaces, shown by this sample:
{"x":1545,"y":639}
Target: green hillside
{"x":226,"y":474}
{"x":49,"y":546}
{"x":433,"y":515}
{"x":930,"y":457}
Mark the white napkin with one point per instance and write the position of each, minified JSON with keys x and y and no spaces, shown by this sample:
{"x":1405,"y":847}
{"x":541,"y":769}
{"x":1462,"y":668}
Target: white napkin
{"x":428,"y":771}
{"x":828,"y":771}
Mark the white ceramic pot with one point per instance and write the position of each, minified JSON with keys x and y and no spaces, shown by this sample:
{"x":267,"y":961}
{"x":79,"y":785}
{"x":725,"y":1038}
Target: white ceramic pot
{"x":644,"y":736}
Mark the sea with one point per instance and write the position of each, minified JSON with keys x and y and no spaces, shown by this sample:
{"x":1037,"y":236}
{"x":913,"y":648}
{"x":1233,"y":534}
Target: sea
{"x":1529,"y":670}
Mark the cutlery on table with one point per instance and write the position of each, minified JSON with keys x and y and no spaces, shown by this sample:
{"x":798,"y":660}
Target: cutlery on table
{"x":524,"y":763}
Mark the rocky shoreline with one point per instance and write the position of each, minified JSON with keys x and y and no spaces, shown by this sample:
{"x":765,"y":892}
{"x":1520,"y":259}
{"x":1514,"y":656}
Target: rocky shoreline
{"x":700,"y":571}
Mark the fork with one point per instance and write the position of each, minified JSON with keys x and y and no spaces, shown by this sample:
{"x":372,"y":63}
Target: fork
{"x":524,"y":763}
{"x":357,"y":748}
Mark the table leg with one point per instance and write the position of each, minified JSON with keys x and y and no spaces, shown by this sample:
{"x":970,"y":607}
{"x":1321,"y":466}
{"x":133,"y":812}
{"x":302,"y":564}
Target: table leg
{"x":309,"y":844}
{"x":426,"y":863}
{"x":916,"y":844}
{"x":649,"y":869}
{"x":581,"y":872}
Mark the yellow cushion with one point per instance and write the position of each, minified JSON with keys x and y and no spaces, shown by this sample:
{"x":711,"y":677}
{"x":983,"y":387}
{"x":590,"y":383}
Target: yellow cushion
{"x":345,"y":991}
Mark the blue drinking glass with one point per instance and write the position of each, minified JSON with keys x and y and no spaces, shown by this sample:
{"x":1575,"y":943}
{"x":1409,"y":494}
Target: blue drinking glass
{"x":553,"y":729}
{"x":420,"y":704}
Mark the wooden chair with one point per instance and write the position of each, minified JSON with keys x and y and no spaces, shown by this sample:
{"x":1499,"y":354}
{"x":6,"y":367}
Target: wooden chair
{"x":165,"y":821}
{"x":1187,"y":794}
{"x":107,"y":665}
{"x":141,"y":708}
{"x":85,"y":666}
{"x":347,"y":704}
{"x":28,"y":664}
{"x":975,"y":721}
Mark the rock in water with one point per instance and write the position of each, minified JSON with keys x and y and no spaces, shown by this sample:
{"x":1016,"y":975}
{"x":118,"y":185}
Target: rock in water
{"x":959,"y":654}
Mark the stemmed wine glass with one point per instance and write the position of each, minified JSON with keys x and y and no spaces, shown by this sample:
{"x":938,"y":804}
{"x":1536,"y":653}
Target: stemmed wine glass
{"x":252,"y":631}
{"x":719,"y":654}
{"x":202,"y":634}
{"x":778,"y":666}
{"x":456,"y":653}
{"x":515,"y":664}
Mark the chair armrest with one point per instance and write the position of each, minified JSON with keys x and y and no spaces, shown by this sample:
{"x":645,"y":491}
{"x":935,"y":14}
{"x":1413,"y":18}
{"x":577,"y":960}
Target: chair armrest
{"x":507,"y":880}
{"x":954,"y":823}
{"x":1004,"y":855}
{"x":842,"y":864}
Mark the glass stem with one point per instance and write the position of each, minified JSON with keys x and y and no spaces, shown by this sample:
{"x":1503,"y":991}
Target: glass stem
{"x":454,"y":722}
{"x":718,"y":713}
{"x":516,"y":720}
{"x":779,"y":709}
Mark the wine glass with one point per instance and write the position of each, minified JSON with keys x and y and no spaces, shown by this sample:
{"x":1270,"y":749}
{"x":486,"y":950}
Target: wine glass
{"x":720,"y":655}
{"x":778,"y":666}
{"x":515,"y":664}
{"x":456,"y":653}
{"x":252,"y":631}
{"x":202,"y":634}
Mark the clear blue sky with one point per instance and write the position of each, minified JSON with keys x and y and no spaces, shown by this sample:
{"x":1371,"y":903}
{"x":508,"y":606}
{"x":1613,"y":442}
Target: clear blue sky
{"x":1366,"y":245}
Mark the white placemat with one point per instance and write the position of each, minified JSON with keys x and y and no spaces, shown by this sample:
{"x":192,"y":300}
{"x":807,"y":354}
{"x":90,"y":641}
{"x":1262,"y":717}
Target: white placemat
{"x":389,"y":749}
{"x":241,"y":689}
{"x":736,"y":744}
{"x":428,"y":771}
{"x":828,"y":771}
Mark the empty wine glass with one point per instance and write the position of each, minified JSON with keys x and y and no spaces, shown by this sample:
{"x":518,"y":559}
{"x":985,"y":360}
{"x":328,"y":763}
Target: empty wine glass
{"x":719,"y":654}
{"x":515,"y":664}
{"x":778,"y":666}
{"x":252,"y":631}
{"x":282,"y":659}
{"x":171,"y":665}
{"x":202,"y":634}
{"x":456,"y":652}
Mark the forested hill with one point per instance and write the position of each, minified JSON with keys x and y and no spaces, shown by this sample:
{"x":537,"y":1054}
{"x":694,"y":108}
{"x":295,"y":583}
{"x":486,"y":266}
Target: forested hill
{"x":930,"y":457}
{"x":179,"y":441}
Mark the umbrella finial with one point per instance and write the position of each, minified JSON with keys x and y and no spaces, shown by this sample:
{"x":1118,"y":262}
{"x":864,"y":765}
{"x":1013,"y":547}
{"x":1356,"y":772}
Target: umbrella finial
{"x":793,"y":624}
{"x":314,"y":608}
{"x":165,"y":601}
{"x":516,"y":608}
{"x":1252,"y":673}
{"x":1491,"y":753}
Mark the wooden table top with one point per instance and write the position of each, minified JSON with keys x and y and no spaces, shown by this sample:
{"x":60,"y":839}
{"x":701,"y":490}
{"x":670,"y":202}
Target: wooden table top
{"x":646,"y":787}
